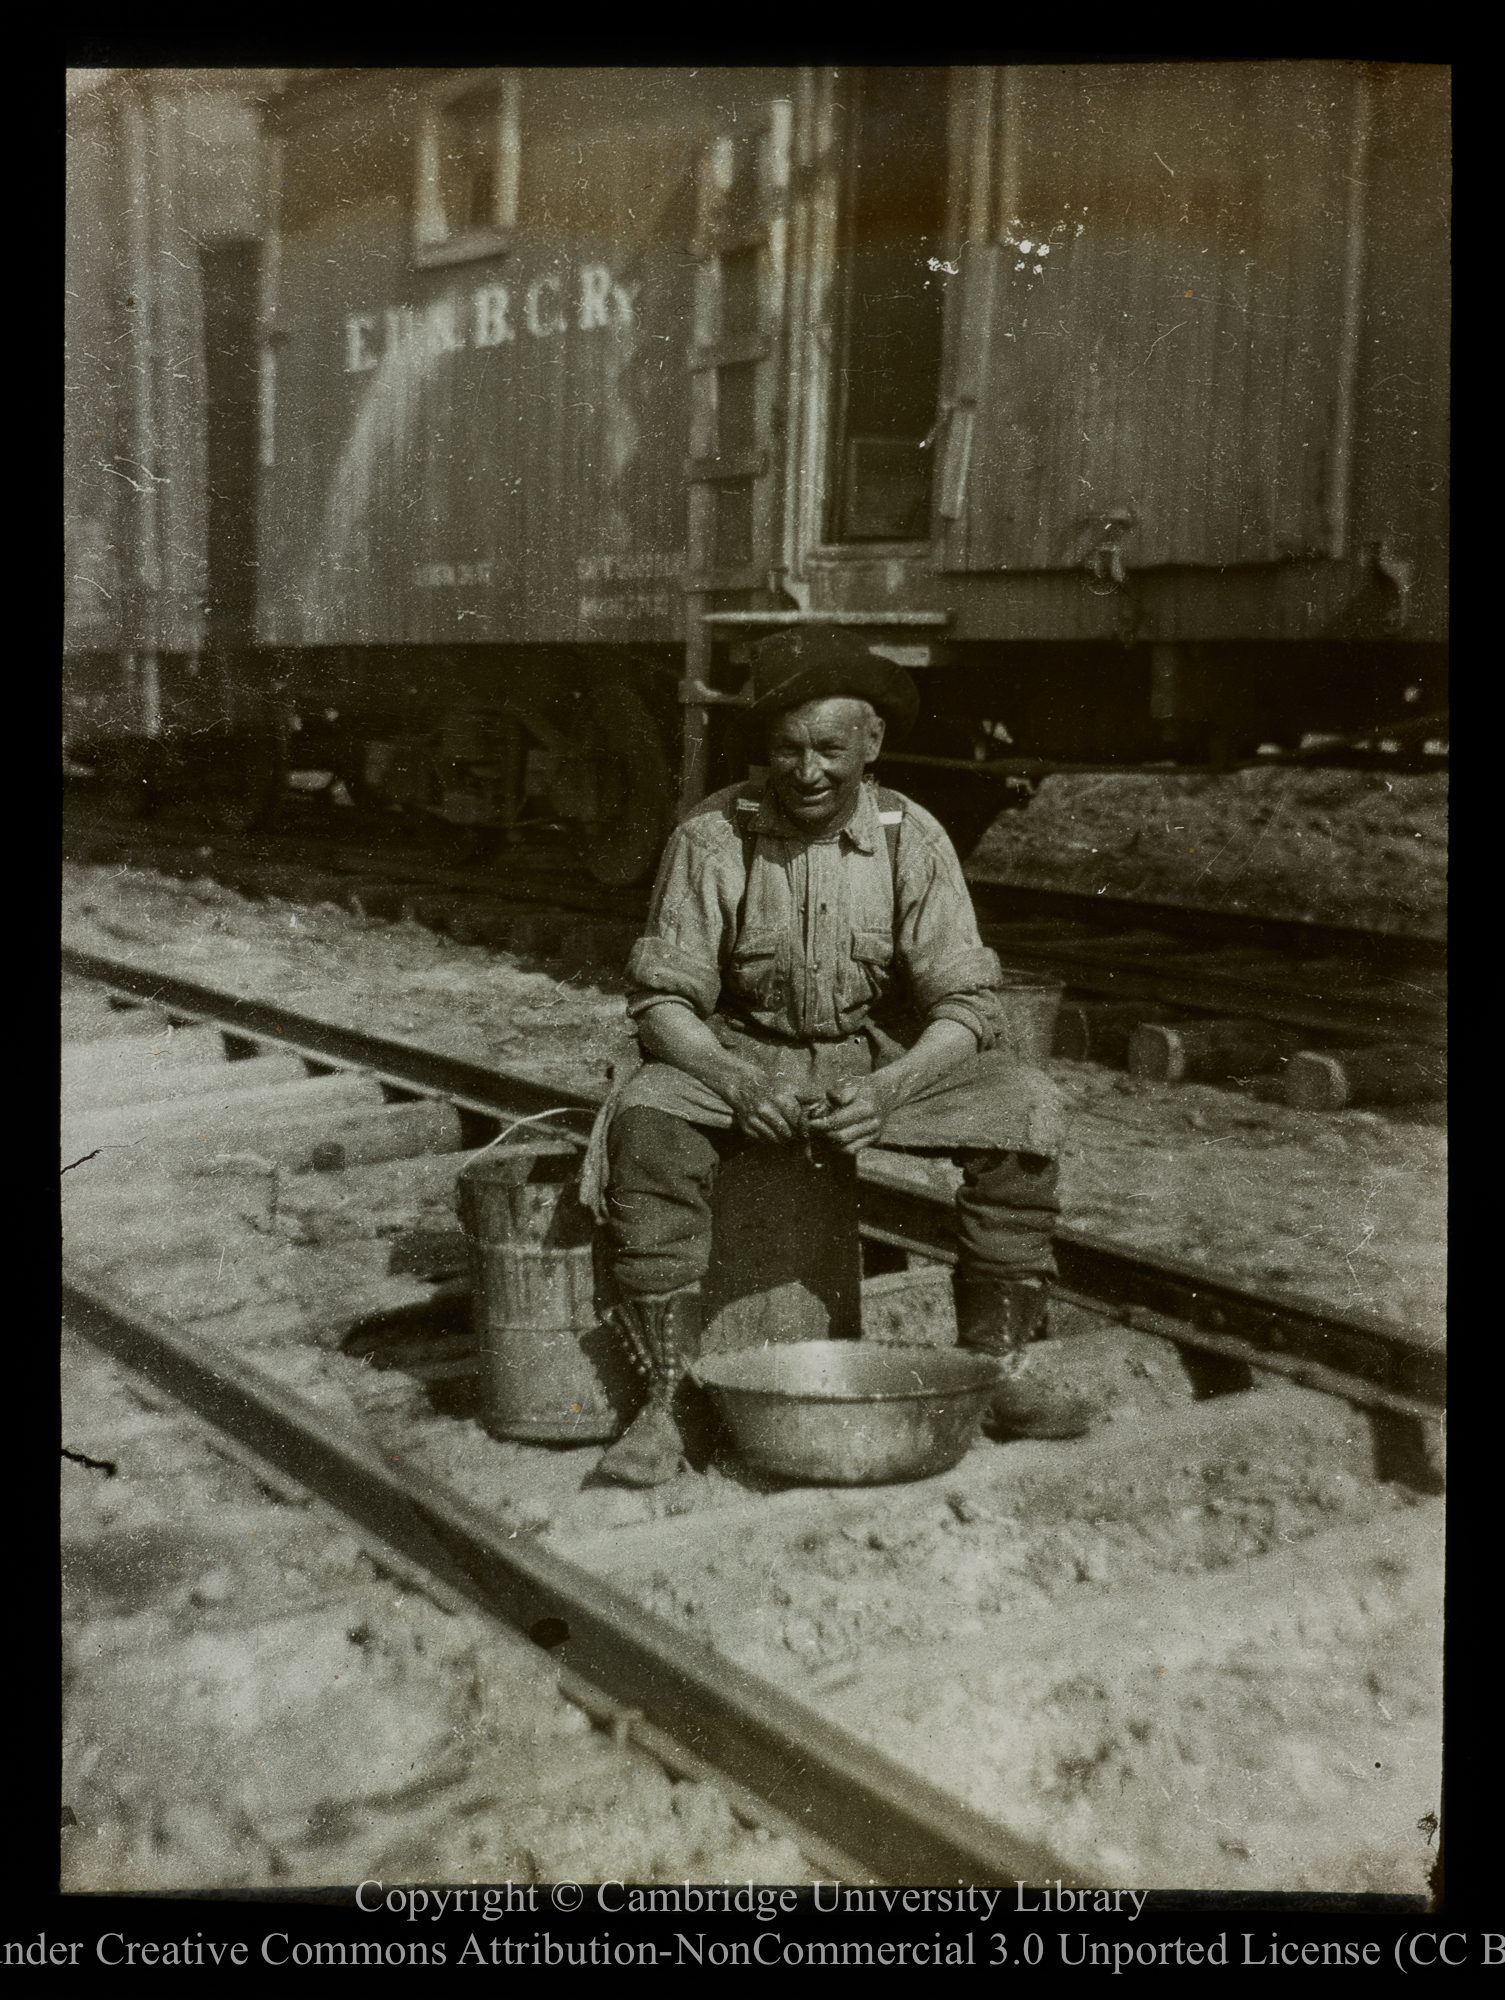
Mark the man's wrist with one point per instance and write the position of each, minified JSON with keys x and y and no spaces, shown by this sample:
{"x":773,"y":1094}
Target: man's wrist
{"x":890,"y":1087}
{"x":729,"y":1077}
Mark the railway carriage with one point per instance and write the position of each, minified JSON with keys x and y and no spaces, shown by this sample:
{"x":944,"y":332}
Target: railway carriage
{"x":163,"y":681}
{"x":1111,"y":399}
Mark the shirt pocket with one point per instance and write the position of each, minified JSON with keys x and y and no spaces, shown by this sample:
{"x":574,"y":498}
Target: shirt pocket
{"x":754,"y":972}
{"x":867,"y":971}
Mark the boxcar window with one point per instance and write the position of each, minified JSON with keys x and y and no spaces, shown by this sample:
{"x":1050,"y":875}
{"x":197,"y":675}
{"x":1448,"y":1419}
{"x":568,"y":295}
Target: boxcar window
{"x":890,"y":352}
{"x":468,"y":165}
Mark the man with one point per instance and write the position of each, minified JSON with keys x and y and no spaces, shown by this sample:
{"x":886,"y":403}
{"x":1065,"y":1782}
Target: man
{"x":791,"y":922}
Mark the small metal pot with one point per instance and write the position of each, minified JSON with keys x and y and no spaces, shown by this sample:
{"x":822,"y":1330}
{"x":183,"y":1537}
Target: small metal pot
{"x":850,"y":1413}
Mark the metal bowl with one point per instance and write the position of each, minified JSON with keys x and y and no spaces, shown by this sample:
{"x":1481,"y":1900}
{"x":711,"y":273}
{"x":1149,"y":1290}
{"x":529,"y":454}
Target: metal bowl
{"x":850,"y":1413}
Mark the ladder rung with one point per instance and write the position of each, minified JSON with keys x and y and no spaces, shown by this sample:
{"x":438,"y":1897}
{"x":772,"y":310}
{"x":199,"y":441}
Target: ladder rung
{"x":928,"y":619}
{"x":726,"y":243}
{"x":727,"y":355}
{"x":747,"y":578}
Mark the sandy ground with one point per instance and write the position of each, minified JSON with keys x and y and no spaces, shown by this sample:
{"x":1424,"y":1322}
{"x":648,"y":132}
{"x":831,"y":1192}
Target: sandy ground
{"x":1337,"y":847}
{"x":317,"y":1721}
{"x":1198,"y":1649}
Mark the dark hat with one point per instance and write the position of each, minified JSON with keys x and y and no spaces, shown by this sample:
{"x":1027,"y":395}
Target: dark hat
{"x":812,"y":663}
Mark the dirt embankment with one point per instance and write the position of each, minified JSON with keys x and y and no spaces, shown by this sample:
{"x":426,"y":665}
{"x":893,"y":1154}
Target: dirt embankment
{"x":1335,"y":847}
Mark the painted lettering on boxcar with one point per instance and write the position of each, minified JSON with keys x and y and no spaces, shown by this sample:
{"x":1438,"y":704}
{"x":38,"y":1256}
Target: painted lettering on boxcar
{"x":491,"y":314}
{"x":454,"y":575}
{"x":625,"y":606}
{"x":647,"y":566}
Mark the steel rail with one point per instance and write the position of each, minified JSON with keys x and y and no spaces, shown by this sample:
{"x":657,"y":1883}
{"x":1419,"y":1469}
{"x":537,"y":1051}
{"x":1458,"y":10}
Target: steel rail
{"x":1145,"y":965}
{"x":402,"y":1066}
{"x":1032,"y":770}
{"x":332,"y":854}
{"x":1380,"y":1366}
{"x":330,"y":851}
{"x":1295,"y":937}
{"x":1383,"y":1367}
{"x":1001,"y":906}
{"x":1224,"y":993}
{"x":817,"y":1776}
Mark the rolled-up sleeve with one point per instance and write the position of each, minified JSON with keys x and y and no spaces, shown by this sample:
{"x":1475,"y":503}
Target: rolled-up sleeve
{"x":678,"y":957}
{"x":952,"y":974}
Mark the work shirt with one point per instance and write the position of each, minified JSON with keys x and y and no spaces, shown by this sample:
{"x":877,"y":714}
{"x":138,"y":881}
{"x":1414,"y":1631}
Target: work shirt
{"x":819,"y":940}
{"x":821,"y":961}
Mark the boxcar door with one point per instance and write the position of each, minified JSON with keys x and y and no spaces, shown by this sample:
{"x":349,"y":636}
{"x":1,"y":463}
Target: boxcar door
{"x":1150,"y":358}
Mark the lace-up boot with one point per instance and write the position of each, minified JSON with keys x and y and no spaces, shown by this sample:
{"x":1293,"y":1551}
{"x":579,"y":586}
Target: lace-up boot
{"x":663,"y":1338}
{"x":1040,"y":1394}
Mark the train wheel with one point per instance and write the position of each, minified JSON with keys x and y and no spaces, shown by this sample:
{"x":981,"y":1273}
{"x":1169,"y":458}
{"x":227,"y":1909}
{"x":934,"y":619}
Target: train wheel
{"x":249,"y":786}
{"x":131,"y":783}
{"x":623,"y":846}
{"x":365,"y":797}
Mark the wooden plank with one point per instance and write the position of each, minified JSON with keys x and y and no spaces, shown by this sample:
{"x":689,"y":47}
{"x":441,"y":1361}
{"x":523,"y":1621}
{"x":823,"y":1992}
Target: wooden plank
{"x":786,"y":1261}
{"x":1209,"y":1051}
{"x":774,"y":298}
{"x":728,"y":353}
{"x":1401,"y":443}
{"x":1096,"y":336}
{"x":899,"y":620}
{"x":1395,"y":1073}
{"x":704,"y":580}
{"x":742,"y":465}
{"x":501,"y":465}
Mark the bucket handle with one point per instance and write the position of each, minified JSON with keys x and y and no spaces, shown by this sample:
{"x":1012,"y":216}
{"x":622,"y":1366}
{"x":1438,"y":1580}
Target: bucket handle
{"x":559,"y":1111}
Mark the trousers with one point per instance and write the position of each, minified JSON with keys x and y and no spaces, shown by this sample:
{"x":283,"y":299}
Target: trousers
{"x":663,"y":1173}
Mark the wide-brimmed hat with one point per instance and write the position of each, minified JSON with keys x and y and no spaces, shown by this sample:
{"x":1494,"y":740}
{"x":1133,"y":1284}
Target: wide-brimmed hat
{"x":811,"y":663}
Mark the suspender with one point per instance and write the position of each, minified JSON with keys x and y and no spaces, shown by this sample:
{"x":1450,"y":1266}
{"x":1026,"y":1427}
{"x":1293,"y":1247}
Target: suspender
{"x":891,"y":818}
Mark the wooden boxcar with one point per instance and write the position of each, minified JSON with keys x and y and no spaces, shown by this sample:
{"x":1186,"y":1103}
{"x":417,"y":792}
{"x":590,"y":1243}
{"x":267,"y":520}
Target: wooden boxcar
{"x":162,"y":676}
{"x":1111,"y":398}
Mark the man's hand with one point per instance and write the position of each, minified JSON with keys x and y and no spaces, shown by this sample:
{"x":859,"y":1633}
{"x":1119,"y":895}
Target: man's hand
{"x":859,"y":1109}
{"x":673,"y":1033}
{"x":855,"y":1115}
{"x":855,"y":1111}
{"x":774,"y":1115}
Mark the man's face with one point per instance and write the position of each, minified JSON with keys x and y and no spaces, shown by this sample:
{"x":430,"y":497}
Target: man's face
{"x":816,"y":757}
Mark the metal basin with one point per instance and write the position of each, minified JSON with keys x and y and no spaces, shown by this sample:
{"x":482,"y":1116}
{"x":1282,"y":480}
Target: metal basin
{"x":850,"y":1413}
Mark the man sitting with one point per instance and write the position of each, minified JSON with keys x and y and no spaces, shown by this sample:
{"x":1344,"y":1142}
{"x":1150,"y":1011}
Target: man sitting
{"x":791,"y":922}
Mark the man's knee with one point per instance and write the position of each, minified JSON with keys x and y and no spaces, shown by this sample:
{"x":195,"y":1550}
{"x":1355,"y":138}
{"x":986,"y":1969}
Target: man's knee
{"x":1006,"y":1211}
{"x":658,"y":1153}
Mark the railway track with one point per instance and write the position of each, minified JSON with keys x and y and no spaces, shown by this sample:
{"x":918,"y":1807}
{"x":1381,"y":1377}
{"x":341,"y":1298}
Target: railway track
{"x":642,"y":1605}
{"x":1365,"y":986}
{"x":1356,"y":1354}
{"x":354,"y":851}
{"x":1327,"y":1015}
